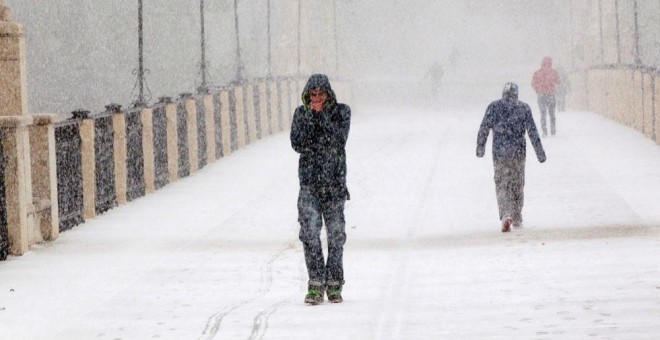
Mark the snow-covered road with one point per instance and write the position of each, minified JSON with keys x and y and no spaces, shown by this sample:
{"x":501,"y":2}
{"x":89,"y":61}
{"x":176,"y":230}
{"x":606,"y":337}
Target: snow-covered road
{"x":216,"y":255}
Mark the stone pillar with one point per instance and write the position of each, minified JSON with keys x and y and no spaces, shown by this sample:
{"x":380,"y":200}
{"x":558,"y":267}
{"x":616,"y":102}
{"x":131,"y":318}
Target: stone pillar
{"x":5,"y":13}
{"x":638,"y":100}
{"x":648,"y":104}
{"x":88,"y":160}
{"x":284,"y":103}
{"x":146,"y":117}
{"x":263,"y":109}
{"x":191,"y":125}
{"x":210,"y":128}
{"x":624,"y":98}
{"x":18,"y":186}
{"x":251,"y":114}
{"x":120,"y":154}
{"x":13,"y":74}
{"x":274,"y":99}
{"x":656,"y":108}
{"x":240,"y":116}
{"x":172,"y":142}
{"x":44,"y":174}
{"x":225,"y":123}
{"x":295,"y":97}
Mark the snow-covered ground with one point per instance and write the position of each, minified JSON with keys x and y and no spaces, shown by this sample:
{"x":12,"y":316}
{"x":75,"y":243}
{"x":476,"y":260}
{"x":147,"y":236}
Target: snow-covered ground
{"x":216,"y":255}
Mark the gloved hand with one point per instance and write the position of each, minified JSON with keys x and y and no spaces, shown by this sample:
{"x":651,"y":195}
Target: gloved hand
{"x":481,"y":150}
{"x":541,"y":158}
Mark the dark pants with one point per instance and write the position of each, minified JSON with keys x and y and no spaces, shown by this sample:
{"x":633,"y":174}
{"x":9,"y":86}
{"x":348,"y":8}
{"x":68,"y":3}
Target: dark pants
{"x":509,"y":186}
{"x":547,"y":105}
{"x":314,"y":207}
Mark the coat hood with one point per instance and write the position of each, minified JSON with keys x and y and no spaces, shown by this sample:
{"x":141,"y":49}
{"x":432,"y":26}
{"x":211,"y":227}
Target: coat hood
{"x":547,"y":62}
{"x":322,"y":82}
{"x":510,"y":91}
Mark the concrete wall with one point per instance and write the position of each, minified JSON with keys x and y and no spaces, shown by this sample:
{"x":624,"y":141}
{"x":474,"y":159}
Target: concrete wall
{"x":616,"y":61}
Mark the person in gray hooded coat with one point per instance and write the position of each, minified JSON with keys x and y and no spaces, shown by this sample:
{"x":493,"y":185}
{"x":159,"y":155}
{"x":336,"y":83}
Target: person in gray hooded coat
{"x":509,"y":119}
{"x":319,"y":131}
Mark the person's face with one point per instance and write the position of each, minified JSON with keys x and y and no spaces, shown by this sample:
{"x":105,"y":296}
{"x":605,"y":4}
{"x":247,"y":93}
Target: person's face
{"x":318,"y":96}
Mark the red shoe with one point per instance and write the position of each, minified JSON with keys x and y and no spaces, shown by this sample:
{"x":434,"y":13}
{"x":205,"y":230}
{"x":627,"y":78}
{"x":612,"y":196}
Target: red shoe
{"x":506,"y":224}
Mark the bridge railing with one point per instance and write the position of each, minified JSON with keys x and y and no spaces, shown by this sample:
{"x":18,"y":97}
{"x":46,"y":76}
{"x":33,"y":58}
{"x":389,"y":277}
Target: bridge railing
{"x":93,"y":162}
{"x":124,"y":155}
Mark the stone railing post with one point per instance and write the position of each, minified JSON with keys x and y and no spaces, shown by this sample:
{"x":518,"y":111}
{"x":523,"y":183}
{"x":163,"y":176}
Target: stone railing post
{"x":225,"y":123}
{"x":274,"y":100}
{"x":191,"y":125}
{"x":14,"y":122}
{"x":44,"y":174}
{"x":18,"y":186}
{"x":294,"y":97}
{"x":656,"y":107}
{"x":263,"y":109}
{"x":172,"y":140}
{"x":251,"y":114}
{"x":13,"y":74}
{"x":120,"y":152}
{"x":148,"y":153}
{"x":239,"y":107}
{"x":209,"y":117}
{"x":88,"y":160}
{"x":647,"y":95}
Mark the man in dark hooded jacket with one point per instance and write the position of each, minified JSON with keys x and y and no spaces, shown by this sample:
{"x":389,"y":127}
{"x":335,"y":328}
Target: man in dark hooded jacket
{"x":318,"y":133}
{"x":509,"y":119}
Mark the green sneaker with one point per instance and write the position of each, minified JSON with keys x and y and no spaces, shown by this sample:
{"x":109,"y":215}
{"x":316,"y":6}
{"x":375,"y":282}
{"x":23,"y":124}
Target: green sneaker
{"x":334,"y":293}
{"x":314,"y":294}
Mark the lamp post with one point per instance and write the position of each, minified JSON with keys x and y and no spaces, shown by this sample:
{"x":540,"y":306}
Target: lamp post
{"x":203,"y":88}
{"x":334,"y":18}
{"x":239,"y":59}
{"x":638,"y":60}
{"x":140,"y":71}
{"x":299,"y":22}
{"x":270,"y":59}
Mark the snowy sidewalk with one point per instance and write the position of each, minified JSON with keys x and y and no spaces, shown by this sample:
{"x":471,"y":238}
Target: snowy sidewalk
{"x":216,"y":255}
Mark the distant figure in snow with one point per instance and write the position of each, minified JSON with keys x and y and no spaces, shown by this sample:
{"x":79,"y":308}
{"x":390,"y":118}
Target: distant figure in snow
{"x":319,"y":131}
{"x":509,"y":119}
{"x":544,"y":82}
{"x":435,"y":74}
{"x":563,"y":89}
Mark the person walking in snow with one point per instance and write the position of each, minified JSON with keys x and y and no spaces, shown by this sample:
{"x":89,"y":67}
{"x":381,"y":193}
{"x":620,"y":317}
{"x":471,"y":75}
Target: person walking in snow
{"x":544,"y":82}
{"x":319,"y":131}
{"x":509,"y":119}
{"x":563,"y":89}
{"x":435,"y":74}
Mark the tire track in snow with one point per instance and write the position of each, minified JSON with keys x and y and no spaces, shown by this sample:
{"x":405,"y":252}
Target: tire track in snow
{"x":260,"y":322}
{"x":389,"y":325}
{"x":214,"y":322}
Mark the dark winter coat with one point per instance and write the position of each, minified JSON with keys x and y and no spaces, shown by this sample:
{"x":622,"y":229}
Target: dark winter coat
{"x":509,"y":119}
{"x":320,"y":139}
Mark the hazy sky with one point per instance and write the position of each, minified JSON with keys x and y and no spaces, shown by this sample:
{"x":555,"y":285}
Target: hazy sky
{"x":81,"y":53}
{"x":402,"y":37}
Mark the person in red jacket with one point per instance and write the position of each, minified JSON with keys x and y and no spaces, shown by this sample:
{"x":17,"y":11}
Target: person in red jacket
{"x":545,"y":82}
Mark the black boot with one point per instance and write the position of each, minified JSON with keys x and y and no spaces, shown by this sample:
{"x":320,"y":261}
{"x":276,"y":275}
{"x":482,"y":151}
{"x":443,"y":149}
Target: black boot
{"x":334,"y":292}
{"x":315,"y":292}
